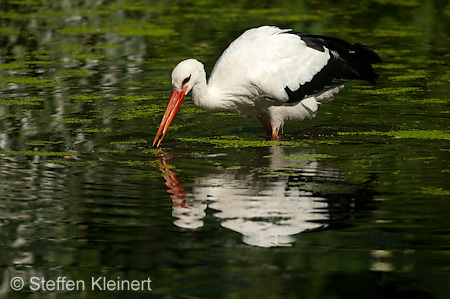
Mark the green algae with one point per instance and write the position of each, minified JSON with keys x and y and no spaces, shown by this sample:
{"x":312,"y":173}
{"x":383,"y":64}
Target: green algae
{"x":97,"y":130}
{"x":303,"y":157}
{"x":75,"y":120}
{"x":20,"y":101}
{"x":87,"y":98}
{"x":131,"y":99}
{"x":227,"y":142}
{"x":406,"y":32}
{"x":128,"y":107}
{"x":129,"y":142}
{"x":73,"y":73}
{"x":407,"y":3}
{"x":103,"y":47}
{"x":397,"y":90}
{"x":10,"y":31}
{"x":233,"y":141}
{"x":437,"y":191}
{"x":37,"y":153}
{"x":411,"y":75}
{"x":131,"y":28}
{"x":399,"y":134}
{"x":195,"y":110}
{"x":14,"y":65}
{"x":425,"y":101}
{"x":23,"y":65}
{"x":90,"y":56}
{"x":43,"y":142}
{"x":32,"y":81}
{"x":420,"y":134}
{"x":143,"y":163}
{"x":141,"y":111}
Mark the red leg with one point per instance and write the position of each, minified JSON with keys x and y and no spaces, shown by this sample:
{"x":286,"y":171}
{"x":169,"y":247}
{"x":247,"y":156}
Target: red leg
{"x":274,"y":134}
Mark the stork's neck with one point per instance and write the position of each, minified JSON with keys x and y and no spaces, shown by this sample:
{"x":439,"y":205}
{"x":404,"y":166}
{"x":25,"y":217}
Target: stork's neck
{"x":207,"y":97}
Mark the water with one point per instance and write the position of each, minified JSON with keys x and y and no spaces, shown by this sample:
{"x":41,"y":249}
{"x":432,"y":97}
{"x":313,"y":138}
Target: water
{"x":352,"y":204}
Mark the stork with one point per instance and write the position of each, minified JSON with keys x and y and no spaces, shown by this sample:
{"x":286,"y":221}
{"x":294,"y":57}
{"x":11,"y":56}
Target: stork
{"x":272,"y":73}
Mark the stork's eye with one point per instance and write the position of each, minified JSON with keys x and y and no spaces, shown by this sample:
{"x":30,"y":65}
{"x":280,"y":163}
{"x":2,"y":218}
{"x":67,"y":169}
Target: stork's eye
{"x":186,"y":80}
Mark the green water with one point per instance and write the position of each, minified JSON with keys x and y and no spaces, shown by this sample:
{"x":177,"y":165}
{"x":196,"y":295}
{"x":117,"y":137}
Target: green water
{"x":352,"y":204}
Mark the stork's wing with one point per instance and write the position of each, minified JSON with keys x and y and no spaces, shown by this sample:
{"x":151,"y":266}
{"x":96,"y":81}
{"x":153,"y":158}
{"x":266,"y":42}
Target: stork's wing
{"x":347,"y":62}
{"x":288,"y":66}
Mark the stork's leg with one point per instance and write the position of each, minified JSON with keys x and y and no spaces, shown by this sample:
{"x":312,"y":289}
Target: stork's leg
{"x":274,"y":134}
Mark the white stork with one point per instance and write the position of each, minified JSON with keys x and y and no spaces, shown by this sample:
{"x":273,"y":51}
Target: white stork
{"x":272,"y":73}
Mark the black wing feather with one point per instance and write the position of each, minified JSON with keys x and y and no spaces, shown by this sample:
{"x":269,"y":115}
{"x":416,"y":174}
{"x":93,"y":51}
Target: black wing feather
{"x":348,"y":61}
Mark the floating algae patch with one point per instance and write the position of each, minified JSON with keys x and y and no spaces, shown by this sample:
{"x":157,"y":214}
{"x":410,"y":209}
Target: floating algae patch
{"x":410,"y":75}
{"x":125,"y":145}
{"x":425,"y":101}
{"x":134,"y":106}
{"x":87,"y":98}
{"x":228,"y":142}
{"x":29,"y":81}
{"x":13,"y":15}
{"x":13,"y":65}
{"x":130,"y":142}
{"x":42,"y":142}
{"x":37,"y":153}
{"x":401,"y":31}
{"x":90,"y":56}
{"x":391,"y":90}
{"x":70,"y":73}
{"x":391,"y":66}
{"x":420,"y":134}
{"x":97,"y":130}
{"x":111,"y":46}
{"x":9,"y":31}
{"x":133,"y":98}
{"x":434,"y":191}
{"x":236,"y":142}
{"x":415,"y":134}
{"x":290,"y":17}
{"x":130,"y":28}
{"x":21,"y":101}
{"x":142,"y":163}
{"x":194,"y":110}
{"x":303,"y":157}
{"x":141,"y":111}
{"x":72,"y":120}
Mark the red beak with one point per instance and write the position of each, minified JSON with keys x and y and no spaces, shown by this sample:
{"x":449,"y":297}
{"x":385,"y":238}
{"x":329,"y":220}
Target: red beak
{"x":172,"y":107}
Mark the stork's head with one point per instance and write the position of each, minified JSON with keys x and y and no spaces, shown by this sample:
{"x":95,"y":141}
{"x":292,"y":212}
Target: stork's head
{"x":184,"y":77}
{"x":186,"y":74}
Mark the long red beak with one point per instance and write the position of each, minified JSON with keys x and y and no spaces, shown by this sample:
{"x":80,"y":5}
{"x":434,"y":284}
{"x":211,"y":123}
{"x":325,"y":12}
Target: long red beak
{"x":172,"y":107}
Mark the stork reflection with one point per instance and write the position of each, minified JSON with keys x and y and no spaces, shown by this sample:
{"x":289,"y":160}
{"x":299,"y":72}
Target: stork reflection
{"x":268,"y":204}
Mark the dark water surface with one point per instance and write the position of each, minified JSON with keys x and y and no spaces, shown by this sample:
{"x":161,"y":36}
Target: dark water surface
{"x":352,"y":204}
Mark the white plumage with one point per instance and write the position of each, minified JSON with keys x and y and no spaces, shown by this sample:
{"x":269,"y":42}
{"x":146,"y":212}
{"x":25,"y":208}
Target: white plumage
{"x":272,"y":73}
